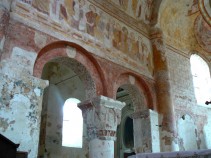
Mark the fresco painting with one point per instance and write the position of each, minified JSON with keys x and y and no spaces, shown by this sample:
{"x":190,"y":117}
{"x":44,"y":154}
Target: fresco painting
{"x":42,"y":6}
{"x":85,"y":17}
{"x":193,"y":8}
{"x":138,"y":9}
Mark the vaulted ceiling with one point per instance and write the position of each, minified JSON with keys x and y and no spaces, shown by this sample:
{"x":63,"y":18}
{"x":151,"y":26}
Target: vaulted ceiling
{"x":184,"y":26}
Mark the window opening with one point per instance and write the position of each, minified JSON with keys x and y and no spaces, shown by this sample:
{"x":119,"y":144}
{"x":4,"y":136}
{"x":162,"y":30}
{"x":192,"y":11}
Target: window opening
{"x":72,"y":130}
{"x":201,"y":79}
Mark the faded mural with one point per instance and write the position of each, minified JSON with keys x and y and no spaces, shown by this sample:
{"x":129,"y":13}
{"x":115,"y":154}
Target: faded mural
{"x":139,"y":9}
{"x":84,"y":17}
{"x":193,"y":8}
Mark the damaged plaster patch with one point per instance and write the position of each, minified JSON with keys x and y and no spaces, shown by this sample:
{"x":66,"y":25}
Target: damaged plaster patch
{"x":132,"y":79}
{"x":23,"y":60}
{"x":20,"y":109}
{"x":71,"y":52}
{"x":5,"y":123}
{"x":40,"y":40}
{"x":37,"y":91}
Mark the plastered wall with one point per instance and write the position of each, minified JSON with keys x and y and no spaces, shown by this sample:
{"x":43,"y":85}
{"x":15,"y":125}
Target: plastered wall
{"x":192,"y":120}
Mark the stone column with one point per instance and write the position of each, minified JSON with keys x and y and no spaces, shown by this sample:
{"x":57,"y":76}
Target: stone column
{"x":4,"y":22}
{"x":163,"y":90}
{"x":142,"y":131}
{"x":101,"y":116}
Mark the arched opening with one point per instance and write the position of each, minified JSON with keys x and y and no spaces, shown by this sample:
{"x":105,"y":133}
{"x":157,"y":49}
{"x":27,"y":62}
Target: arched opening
{"x":68,"y":81}
{"x":125,"y":134}
{"x":201,"y":79}
{"x":138,"y":98}
{"x":128,"y":135}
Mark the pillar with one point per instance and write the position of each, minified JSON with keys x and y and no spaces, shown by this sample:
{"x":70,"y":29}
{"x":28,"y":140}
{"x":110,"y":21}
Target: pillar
{"x":101,"y":116}
{"x":163,"y":91}
{"x":142,"y":131}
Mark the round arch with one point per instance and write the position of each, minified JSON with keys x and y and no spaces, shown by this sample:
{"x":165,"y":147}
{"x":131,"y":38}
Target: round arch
{"x":68,"y":52}
{"x":138,"y":89}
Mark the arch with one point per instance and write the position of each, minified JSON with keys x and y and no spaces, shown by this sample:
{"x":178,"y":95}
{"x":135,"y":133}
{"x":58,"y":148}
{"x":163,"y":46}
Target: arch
{"x":138,"y":89}
{"x":72,"y":51}
{"x":141,"y":101}
{"x":80,"y":71}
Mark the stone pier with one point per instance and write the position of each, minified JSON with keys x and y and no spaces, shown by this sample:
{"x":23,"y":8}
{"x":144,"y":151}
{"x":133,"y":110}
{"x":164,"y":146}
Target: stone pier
{"x":101,"y":116}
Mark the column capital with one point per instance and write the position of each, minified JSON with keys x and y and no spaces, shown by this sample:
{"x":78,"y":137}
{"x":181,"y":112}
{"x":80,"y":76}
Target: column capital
{"x":101,"y":116}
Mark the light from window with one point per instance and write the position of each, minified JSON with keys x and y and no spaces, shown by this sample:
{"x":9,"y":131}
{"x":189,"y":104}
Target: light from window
{"x":201,"y":79}
{"x":72,"y":130}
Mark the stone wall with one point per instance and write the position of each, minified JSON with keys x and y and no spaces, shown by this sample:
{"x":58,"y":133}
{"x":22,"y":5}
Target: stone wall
{"x":192,"y":120}
{"x":20,"y":109}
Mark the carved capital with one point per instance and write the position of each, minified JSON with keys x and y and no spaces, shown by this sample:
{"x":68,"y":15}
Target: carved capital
{"x":101,"y":116}
{"x":157,"y":42}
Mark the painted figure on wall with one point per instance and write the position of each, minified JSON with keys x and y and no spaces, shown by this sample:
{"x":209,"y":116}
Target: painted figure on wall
{"x":133,"y":46}
{"x":42,"y":6}
{"x":63,"y":12}
{"x":124,"y":40}
{"x":134,"y":6}
{"x":148,"y":10}
{"x":91,"y":20}
{"x":109,"y":33}
{"x":54,"y":7}
{"x":69,"y":7}
{"x":124,"y":4}
{"x":117,"y":34}
{"x":100,"y":26}
{"x":139,"y":11}
{"x":145,"y":54}
{"x":82,"y":17}
{"x":76,"y":15}
{"x":142,"y":49}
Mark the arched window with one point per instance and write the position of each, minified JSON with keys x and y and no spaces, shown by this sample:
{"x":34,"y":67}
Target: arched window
{"x":201,"y":79}
{"x":72,"y":124}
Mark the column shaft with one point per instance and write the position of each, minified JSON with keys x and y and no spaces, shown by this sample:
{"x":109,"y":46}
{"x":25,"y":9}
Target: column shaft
{"x":163,"y":90}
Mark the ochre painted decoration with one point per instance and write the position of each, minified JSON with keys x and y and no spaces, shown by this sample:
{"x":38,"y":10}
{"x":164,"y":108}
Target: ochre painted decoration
{"x":203,"y":33}
{"x":41,"y":5}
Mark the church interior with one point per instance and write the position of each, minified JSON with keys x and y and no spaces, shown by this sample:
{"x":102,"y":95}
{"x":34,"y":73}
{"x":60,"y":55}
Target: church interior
{"x":105,"y":78}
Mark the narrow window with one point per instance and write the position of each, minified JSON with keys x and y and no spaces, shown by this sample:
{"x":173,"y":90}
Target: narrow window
{"x":201,"y":79}
{"x":72,"y":124}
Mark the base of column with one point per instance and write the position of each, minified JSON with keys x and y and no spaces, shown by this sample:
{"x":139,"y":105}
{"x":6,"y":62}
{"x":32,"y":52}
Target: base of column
{"x":101,"y":148}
